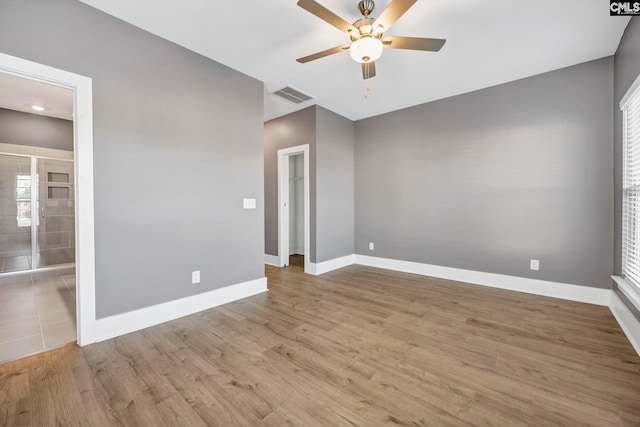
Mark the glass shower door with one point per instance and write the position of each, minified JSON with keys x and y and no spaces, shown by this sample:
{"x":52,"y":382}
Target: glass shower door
{"x":15,"y":213}
{"x":56,"y":213}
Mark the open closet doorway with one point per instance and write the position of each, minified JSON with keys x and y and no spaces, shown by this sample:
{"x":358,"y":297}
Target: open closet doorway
{"x":296,"y":209}
{"x":293,"y":206}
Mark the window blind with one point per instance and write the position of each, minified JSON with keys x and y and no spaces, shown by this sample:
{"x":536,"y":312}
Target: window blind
{"x":631,"y":188}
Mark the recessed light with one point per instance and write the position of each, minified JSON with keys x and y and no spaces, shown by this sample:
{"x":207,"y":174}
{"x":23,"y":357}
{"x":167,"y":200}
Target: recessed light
{"x":37,"y":107}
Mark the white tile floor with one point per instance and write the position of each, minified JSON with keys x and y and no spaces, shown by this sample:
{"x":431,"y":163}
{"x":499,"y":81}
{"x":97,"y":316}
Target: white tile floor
{"x":36,"y":316}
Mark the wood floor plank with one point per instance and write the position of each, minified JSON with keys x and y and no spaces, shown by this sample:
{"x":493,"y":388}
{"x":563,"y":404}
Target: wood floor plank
{"x":355,"y":347}
{"x":15,"y":401}
{"x":48,"y":380}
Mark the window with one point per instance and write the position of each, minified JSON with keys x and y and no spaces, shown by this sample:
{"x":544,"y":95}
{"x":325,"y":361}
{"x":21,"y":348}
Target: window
{"x":23,"y":200}
{"x":630,"y":106}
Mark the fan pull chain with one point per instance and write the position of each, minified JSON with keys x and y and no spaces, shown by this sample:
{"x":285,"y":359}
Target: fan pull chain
{"x":366,"y":91}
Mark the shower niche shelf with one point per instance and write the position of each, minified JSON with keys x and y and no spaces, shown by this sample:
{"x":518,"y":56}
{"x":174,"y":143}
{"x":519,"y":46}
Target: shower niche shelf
{"x":58,"y":177}
{"x":57,"y":192}
{"x":58,"y":185}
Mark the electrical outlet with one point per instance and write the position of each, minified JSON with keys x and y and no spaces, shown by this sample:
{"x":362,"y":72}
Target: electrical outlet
{"x":195,"y":277}
{"x":535,"y":264}
{"x":371,"y":246}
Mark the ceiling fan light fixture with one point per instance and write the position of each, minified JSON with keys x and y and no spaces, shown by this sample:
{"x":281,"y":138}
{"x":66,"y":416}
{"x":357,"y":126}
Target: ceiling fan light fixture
{"x":366,"y":33}
{"x":366,"y":49}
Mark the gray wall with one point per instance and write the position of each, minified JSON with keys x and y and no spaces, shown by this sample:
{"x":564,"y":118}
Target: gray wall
{"x":177,"y":145}
{"x":17,"y":127}
{"x":334,"y":185}
{"x":330,"y":137}
{"x":490,"y":179}
{"x":294,"y":129}
{"x":627,"y":69}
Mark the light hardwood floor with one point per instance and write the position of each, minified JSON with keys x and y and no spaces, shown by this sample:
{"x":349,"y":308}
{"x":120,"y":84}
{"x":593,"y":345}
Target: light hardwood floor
{"x":357,"y":346}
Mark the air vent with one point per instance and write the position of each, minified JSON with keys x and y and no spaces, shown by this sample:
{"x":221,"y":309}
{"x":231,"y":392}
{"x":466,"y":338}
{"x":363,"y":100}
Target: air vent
{"x":292,"y":94}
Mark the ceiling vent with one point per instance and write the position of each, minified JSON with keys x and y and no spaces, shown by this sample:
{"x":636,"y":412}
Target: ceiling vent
{"x":292,"y":94}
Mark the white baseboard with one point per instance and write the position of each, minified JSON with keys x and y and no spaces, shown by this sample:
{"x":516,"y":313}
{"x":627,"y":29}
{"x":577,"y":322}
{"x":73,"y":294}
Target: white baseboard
{"x":332,"y":264}
{"x":120,"y":324}
{"x":296,"y":250}
{"x":272,"y":260}
{"x":520,"y":284}
{"x":626,"y":320}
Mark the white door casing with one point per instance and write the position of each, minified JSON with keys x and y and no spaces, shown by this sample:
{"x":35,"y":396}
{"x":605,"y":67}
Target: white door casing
{"x":283,"y":208}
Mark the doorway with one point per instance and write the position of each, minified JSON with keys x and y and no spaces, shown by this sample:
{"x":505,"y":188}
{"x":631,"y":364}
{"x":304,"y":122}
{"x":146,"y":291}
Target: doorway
{"x":293,"y":205}
{"x":296,"y":210}
{"x":82,"y":169}
{"x":37,"y":218}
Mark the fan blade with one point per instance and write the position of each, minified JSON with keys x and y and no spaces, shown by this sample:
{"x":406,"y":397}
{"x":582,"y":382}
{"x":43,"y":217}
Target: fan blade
{"x":413,"y":43}
{"x":392,"y":13}
{"x":327,"y":16}
{"x":368,"y":70}
{"x":322,"y":54}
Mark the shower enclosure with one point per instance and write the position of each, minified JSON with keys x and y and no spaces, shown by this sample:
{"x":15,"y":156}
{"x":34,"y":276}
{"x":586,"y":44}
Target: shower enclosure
{"x":37,"y":212}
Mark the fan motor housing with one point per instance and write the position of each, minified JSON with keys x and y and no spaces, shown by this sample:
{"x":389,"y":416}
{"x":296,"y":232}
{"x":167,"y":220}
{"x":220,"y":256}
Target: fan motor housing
{"x":366,"y":7}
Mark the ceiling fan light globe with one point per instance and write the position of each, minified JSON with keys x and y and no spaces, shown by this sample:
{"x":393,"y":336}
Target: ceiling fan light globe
{"x":366,"y":49}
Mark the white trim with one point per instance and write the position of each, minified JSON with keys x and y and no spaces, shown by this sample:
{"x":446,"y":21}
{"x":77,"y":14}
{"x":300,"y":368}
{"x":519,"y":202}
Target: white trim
{"x":83,"y":162}
{"x":628,"y":290}
{"x":283,"y":214}
{"x":520,"y":284}
{"x":332,"y":264}
{"x":635,"y":86}
{"x":120,"y":324}
{"x":272,"y":260}
{"x":627,"y":321}
{"x":283,"y":209}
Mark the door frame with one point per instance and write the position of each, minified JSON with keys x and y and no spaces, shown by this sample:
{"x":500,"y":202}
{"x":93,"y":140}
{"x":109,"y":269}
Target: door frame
{"x":283,"y":208}
{"x":83,"y":164}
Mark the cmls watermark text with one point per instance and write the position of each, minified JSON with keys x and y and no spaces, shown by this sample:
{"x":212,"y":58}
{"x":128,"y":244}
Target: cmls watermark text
{"x":624,"y":8}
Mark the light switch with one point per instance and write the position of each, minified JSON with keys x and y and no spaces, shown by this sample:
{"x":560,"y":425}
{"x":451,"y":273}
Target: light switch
{"x":249,"y":203}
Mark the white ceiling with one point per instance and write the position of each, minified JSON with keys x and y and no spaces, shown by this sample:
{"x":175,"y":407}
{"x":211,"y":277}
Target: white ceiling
{"x":19,"y":93}
{"x":489,"y":42}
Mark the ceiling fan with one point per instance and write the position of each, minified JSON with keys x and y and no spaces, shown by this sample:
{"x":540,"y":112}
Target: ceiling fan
{"x":366,"y":34}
